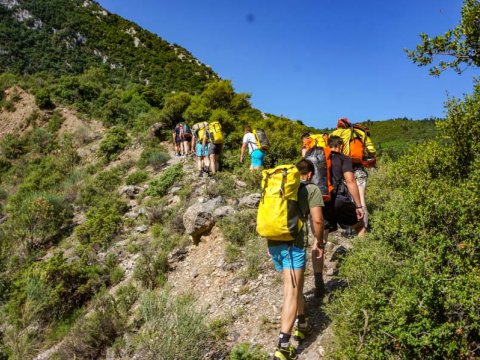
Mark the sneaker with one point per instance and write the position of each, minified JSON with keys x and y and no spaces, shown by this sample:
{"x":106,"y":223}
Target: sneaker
{"x":349,"y":233}
{"x":200,"y":173}
{"x":287,"y":353}
{"x":301,"y":332}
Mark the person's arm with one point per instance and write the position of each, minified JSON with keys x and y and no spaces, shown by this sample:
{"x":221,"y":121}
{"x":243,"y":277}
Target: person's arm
{"x":173,"y":138}
{"x":353,"y":190}
{"x":193,"y":144}
{"x":242,"y":151}
{"x":317,"y":221}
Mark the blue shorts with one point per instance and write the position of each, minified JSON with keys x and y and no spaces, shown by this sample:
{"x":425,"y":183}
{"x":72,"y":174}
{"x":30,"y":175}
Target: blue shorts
{"x":201,"y":150}
{"x":287,"y":257}
{"x":257,"y":157}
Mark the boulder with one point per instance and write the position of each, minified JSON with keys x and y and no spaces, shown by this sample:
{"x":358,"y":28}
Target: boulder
{"x":198,"y":219}
{"x":130,"y":191}
{"x":250,"y":201}
{"x":155,"y":131}
{"x":223,"y":211}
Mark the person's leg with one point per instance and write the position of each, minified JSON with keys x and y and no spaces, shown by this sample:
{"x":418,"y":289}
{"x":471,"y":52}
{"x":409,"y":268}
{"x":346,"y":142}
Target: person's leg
{"x":213,"y":163}
{"x":362,"y":191}
{"x":291,"y":296}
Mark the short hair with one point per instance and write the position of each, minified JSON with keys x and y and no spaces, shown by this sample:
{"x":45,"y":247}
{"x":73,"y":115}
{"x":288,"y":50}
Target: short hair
{"x":305,"y":135}
{"x":247,"y":128}
{"x":305,"y":166}
{"x":335,"y":141}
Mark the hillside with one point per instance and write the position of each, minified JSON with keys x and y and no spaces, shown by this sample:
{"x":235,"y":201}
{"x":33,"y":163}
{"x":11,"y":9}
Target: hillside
{"x":98,"y":217}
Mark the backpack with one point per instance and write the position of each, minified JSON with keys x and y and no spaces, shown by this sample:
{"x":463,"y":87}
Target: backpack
{"x":198,"y":130}
{"x":187,"y":132}
{"x":321,"y":160}
{"x":215,"y":132}
{"x":357,"y":142}
{"x":278,"y":216}
{"x":316,"y":140}
{"x":262,"y":140}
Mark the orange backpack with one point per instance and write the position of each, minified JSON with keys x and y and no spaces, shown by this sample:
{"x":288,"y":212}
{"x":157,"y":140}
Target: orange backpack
{"x":355,"y":137}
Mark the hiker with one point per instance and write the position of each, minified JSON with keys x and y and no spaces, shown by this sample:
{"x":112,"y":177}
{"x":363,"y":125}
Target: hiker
{"x":345,"y":207}
{"x":289,"y":257}
{"x":201,"y":147}
{"x":187,"y":140}
{"x":215,"y":146}
{"x":177,"y":136}
{"x":352,"y":135}
{"x":256,"y":154}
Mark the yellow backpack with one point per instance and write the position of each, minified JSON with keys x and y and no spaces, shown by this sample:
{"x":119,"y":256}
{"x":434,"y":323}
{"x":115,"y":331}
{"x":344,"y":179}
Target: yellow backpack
{"x":278,"y":216}
{"x":215,"y":131}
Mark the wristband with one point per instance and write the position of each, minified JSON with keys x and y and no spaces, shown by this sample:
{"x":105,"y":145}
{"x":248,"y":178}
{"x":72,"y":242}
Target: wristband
{"x":359,"y":207}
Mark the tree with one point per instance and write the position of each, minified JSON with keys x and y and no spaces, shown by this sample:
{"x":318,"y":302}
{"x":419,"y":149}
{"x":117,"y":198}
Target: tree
{"x":457,"y":49}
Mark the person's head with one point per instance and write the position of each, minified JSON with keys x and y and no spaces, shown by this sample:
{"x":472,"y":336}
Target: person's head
{"x":247,"y":129}
{"x":335,"y":142}
{"x":305,"y":136}
{"x":306,"y":169}
{"x":342,"y":123}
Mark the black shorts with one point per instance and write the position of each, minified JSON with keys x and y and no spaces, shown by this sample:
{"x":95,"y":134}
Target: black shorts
{"x":214,"y":149}
{"x":343,"y":213}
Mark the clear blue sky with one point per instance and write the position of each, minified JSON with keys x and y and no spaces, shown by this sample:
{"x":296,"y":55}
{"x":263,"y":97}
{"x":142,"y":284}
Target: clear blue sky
{"x":313,"y":60}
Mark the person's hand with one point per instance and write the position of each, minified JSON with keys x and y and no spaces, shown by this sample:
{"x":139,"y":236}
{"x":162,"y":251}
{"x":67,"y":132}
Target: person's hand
{"x":241,"y":160}
{"x":360,"y":213}
{"x":317,"y":251}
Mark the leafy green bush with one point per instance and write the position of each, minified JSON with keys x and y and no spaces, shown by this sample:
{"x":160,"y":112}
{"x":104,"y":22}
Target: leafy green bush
{"x":154,"y":156}
{"x":100,"y":187}
{"x":172,"y":327}
{"x":238,"y":228}
{"x":136,"y":178}
{"x":12,"y":146}
{"x":246,"y":351}
{"x":38,"y":218}
{"x":50,"y":289}
{"x":43,"y":100}
{"x":102,"y":223}
{"x":115,"y":141}
{"x":167,"y":178}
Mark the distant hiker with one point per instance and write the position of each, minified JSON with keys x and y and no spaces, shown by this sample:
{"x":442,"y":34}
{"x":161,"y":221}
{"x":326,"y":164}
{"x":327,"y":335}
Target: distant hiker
{"x":358,"y":144}
{"x":215,"y":139}
{"x":345,"y":207}
{"x":201,"y":147}
{"x":287,"y":240}
{"x":251,"y":141}
{"x":187,"y":139}
{"x":177,"y":136}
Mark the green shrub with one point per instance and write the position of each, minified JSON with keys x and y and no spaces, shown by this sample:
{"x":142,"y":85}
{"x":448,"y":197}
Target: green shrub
{"x":246,"y":351}
{"x":55,"y":122}
{"x":115,"y":141}
{"x":51,"y":289}
{"x":102,"y":223}
{"x":100,"y":187}
{"x":238,"y":228}
{"x":38,"y":218}
{"x":43,"y":100}
{"x":12,"y":146}
{"x":172,"y":327}
{"x":156,"y":157}
{"x":136,"y":178}
{"x":167,"y":178}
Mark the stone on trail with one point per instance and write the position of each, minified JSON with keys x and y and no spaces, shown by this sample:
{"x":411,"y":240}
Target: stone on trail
{"x":199,"y":220}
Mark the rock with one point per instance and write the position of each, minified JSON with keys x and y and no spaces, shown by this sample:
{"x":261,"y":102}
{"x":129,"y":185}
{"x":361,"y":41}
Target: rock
{"x":178,"y":255}
{"x":155,"y":131}
{"x":174,"y":190}
{"x":174,"y":200}
{"x":130,"y":191}
{"x":194,"y":272}
{"x":240,"y":184}
{"x":132,"y":214}
{"x":142,"y":211}
{"x":250,"y":201}
{"x":223,"y":211}
{"x":198,"y":219}
{"x":141,"y":228}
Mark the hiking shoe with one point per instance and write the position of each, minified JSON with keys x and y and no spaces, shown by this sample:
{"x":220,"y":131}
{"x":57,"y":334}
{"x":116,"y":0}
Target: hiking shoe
{"x":302,"y":332}
{"x":320,"y":290}
{"x":349,"y":233}
{"x":287,"y":353}
{"x":200,"y":173}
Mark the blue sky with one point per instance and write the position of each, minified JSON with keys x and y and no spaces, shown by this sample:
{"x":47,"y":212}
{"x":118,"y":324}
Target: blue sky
{"x":313,"y":60}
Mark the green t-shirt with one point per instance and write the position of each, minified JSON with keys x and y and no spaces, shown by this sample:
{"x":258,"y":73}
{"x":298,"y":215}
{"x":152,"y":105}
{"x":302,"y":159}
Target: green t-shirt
{"x":309,"y":196}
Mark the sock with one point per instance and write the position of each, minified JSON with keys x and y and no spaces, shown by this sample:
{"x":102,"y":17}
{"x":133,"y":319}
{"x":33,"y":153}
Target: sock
{"x":301,"y":321}
{"x":283,"y":340}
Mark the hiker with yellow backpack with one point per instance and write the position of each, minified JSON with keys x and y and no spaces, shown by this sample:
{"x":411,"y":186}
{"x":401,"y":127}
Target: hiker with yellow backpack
{"x":358,"y":145}
{"x":214,"y":138}
{"x":201,"y":147}
{"x":257,"y":143}
{"x":288,"y":199}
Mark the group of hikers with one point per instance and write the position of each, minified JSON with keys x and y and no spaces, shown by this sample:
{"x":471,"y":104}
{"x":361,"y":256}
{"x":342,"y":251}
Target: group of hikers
{"x":205,"y":141}
{"x":325,"y":189}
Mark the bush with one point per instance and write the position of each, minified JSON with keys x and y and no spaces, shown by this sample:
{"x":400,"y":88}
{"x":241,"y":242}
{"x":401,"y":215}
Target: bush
{"x":156,"y":157}
{"x":136,"y":178}
{"x":38,"y":218}
{"x":172,"y":327}
{"x":102,"y":223}
{"x":160,"y":186}
{"x":115,"y":141}
{"x":246,"y":351}
{"x":12,"y":146}
{"x":237,"y":229}
{"x":43,"y":100}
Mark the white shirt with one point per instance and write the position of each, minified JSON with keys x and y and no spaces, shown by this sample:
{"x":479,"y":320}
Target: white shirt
{"x":251,"y":142}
